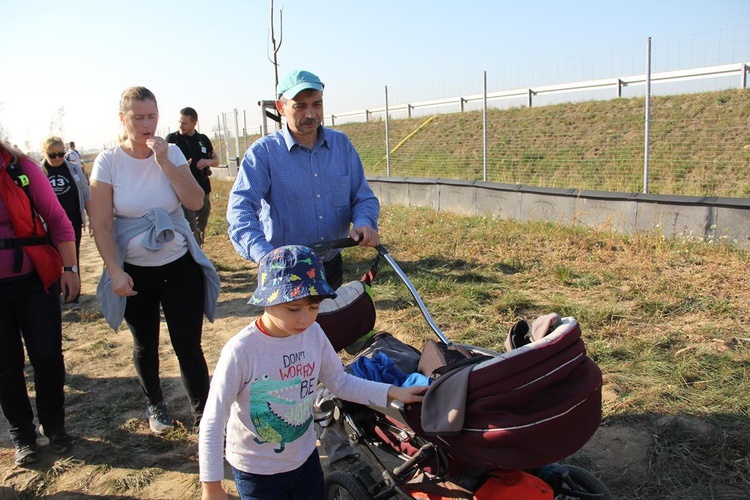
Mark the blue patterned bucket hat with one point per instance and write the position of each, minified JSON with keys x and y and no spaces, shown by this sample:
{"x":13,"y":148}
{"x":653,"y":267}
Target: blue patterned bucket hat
{"x":290,"y":273}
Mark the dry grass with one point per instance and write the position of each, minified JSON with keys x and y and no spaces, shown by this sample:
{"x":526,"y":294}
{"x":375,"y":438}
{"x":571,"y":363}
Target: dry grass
{"x":668,"y":321}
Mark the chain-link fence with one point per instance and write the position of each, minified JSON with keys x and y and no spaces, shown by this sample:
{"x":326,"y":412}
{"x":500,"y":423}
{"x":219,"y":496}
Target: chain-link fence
{"x":578,"y":123}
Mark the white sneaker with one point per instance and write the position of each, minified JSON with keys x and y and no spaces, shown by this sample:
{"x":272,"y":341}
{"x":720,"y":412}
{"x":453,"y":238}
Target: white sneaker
{"x":158,"y":418}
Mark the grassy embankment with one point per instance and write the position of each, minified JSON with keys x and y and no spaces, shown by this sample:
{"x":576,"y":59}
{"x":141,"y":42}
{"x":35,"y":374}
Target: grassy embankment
{"x":698,"y":145}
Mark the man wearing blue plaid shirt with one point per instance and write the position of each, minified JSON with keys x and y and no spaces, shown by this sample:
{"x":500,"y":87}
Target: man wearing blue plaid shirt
{"x":301,"y":184}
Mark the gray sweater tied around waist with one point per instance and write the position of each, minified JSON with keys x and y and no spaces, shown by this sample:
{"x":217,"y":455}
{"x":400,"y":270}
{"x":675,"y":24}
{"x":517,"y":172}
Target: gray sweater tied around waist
{"x":159,"y":227}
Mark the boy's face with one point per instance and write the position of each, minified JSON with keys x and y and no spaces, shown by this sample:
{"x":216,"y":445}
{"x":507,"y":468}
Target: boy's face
{"x":292,"y":318}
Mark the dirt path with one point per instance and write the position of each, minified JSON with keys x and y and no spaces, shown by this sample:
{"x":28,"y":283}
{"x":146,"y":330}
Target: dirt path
{"x":114,"y":454}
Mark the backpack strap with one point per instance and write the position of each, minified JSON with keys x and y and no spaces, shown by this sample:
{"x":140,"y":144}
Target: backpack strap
{"x":18,"y":177}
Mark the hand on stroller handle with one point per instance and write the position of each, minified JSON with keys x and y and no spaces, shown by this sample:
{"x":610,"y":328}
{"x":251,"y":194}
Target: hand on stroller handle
{"x":322,"y":247}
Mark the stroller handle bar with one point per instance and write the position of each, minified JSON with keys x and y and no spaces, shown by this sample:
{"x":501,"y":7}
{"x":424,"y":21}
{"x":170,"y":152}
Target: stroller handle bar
{"x":323,"y":246}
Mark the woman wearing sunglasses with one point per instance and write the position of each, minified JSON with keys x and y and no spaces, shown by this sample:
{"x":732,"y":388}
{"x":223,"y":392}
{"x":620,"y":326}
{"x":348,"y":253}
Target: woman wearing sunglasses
{"x":72,"y":190}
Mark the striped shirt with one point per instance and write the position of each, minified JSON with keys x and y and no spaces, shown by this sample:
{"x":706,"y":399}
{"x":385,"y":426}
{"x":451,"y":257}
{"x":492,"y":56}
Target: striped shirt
{"x":287,"y":194}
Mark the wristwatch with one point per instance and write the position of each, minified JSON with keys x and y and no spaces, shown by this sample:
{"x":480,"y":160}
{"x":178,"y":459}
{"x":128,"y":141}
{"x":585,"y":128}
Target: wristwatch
{"x":72,"y":269}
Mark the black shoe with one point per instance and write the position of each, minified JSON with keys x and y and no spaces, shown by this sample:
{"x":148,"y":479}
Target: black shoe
{"x":26,"y":454}
{"x":60,"y":443}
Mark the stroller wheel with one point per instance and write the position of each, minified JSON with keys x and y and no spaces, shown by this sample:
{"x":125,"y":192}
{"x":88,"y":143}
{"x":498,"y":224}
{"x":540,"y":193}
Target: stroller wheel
{"x":579,"y":484}
{"x":343,"y":486}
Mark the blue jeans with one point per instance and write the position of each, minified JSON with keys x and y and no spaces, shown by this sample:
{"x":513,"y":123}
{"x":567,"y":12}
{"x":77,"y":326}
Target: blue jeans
{"x":303,"y":483}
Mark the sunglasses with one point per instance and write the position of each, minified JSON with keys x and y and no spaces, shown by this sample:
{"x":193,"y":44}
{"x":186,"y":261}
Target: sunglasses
{"x":56,"y":155}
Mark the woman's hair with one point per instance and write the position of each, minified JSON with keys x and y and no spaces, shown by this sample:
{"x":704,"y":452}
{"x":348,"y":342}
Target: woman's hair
{"x":12,"y":150}
{"x":50,"y":141}
{"x":135,"y":94}
{"x":17,"y":154}
{"x":126,"y":101}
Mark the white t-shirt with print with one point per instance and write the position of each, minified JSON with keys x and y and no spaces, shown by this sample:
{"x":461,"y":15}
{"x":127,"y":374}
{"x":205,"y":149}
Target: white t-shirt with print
{"x":138,"y":185}
{"x":262,"y":391}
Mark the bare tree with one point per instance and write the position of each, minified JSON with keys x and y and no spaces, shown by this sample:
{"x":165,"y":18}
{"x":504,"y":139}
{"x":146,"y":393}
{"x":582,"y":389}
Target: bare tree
{"x":56,"y":126}
{"x":274,"y":47}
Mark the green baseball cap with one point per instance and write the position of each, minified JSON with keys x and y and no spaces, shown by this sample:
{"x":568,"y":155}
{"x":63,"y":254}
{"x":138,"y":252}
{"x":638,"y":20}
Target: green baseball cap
{"x":296,"y":81}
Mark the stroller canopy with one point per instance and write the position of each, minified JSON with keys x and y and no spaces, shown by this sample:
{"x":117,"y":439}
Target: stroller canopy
{"x":522,"y":409}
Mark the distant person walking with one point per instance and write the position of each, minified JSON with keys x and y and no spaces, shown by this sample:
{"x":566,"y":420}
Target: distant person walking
{"x":73,"y":156}
{"x":37,"y":263}
{"x":151,"y":259}
{"x":72,"y":190}
{"x":200,"y":153}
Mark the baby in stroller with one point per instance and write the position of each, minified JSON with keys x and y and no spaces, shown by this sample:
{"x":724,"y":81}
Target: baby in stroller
{"x":492,"y":425}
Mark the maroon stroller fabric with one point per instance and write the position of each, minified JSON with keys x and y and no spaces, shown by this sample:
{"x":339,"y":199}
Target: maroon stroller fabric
{"x":349,"y":316}
{"x":525,"y":408}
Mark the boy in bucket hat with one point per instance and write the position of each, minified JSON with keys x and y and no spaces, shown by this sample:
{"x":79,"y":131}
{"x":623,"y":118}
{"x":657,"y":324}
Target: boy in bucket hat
{"x":263,"y":387}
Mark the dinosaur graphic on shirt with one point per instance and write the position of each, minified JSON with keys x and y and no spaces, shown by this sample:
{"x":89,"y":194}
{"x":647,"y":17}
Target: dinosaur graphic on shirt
{"x":276,"y":411}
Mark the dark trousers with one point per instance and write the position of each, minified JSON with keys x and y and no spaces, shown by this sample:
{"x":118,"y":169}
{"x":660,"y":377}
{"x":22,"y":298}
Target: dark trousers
{"x":78,"y":229}
{"x":303,"y":483}
{"x":334,"y":271}
{"x":198,"y":219}
{"x":27,"y":311}
{"x":178,"y":288}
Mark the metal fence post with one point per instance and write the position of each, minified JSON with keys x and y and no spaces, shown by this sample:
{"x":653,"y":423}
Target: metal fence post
{"x":484,"y":126}
{"x":226,"y":134}
{"x":221,"y":150}
{"x":236,"y":133}
{"x":648,"y":115}
{"x":244,"y":126}
{"x":387,"y":138}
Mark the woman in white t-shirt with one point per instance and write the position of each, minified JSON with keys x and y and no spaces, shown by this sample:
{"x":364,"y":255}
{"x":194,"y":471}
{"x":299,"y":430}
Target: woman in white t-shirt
{"x":151,"y":258}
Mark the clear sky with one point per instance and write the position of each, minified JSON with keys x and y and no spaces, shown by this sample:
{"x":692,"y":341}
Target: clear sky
{"x":67,"y":62}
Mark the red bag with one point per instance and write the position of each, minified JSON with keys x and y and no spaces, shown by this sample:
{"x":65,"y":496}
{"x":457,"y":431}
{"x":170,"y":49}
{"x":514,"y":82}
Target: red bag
{"x":510,"y":485}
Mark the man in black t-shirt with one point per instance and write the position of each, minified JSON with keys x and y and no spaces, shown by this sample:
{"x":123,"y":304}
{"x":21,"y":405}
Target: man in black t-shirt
{"x":200,"y":154}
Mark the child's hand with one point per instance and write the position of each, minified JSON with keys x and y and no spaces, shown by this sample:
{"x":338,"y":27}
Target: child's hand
{"x":413,"y":394}
{"x":213,"y":491}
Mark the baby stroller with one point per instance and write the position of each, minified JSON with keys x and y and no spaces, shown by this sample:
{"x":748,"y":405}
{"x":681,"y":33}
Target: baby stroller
{"x":492,"y":425}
